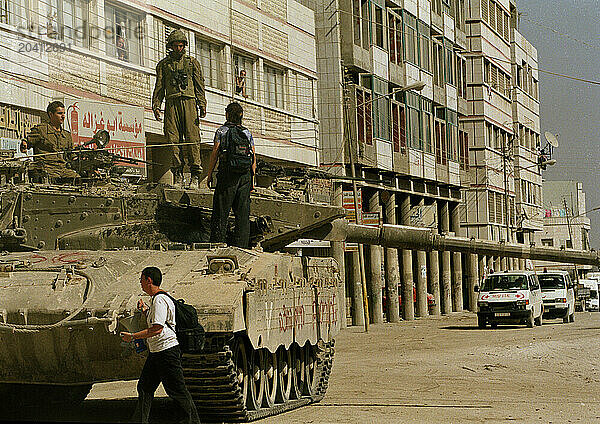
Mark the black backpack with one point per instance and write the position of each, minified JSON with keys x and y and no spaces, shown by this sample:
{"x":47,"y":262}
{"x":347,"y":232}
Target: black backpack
{"x":190,"y":334}
{"x":238,"y":150}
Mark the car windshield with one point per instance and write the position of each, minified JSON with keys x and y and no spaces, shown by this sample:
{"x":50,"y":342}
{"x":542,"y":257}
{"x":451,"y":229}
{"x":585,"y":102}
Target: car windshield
{"x":551,"y":282}
{"x":505,"y":282}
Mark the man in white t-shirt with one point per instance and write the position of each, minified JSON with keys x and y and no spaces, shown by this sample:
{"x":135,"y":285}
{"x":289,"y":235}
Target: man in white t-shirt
{"x":164,"y":360}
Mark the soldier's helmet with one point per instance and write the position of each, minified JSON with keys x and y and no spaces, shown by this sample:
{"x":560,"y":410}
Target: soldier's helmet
{"x":176,"y":36}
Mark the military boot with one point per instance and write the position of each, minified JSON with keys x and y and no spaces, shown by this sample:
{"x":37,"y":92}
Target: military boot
{"x":178,"y":179}
{"x":194,"y":182}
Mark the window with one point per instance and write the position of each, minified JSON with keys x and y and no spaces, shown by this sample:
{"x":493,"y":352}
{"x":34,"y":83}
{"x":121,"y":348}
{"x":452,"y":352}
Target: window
{"x":395,"y":38}
{"x":426,"y":118}
{"x":210,"y":56}
{"x":398,"y":127}
{"x":381,"y":108}
{"x":484,"y":11}
{"x":424,"y":37}
{"x":67,"y":20}
{"x":126,"y":43}
{"x":450,"y":68}
{"x":461,"y":77}
{"x":491,"y":207}
{"x":463,"y":146}
{"x":364,"y":117}
{"x":440,"y":136}
{"x":410,"y":38}
{"x":273,"y":86}
{"x":438,"y":63}
{"x":414,"y":122}
{"x":15,"y":12}
{"x":301,"y":94}
{"x":548,"y":242}
{"x":364,"y":23}
{"x":452,"y":137}
{"x":379,"y":27}
{"x":356,"y":21}
{"x":243,"y":70}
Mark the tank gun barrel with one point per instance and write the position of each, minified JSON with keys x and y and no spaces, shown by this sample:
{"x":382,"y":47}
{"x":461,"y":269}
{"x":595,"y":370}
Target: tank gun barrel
{"x":413,"y":238}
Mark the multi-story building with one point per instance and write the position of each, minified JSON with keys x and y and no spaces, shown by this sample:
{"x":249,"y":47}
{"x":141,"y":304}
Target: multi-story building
{"x":392,"y":90}
{"x":258,"y":52}
{"x":503,"y":194}
{"x":565,"y":224}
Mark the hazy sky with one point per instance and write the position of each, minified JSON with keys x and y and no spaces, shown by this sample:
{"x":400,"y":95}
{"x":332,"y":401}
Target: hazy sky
{"x":566,"y":34}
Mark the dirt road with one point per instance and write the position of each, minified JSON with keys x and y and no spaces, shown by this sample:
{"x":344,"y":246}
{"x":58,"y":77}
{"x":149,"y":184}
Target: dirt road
{"x":435,"y":370}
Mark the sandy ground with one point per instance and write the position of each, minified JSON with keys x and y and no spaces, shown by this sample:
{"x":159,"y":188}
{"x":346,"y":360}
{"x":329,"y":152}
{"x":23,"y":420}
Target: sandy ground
{"x":434,"y":370}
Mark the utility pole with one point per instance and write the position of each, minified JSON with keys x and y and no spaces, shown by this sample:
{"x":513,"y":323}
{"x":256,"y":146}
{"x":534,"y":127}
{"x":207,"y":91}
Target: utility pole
{"x":570,"y":236}
{"x":506,"y":202}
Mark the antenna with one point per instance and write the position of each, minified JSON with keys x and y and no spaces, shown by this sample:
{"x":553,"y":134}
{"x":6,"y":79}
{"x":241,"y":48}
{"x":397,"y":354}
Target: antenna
{"x":551,"y":139}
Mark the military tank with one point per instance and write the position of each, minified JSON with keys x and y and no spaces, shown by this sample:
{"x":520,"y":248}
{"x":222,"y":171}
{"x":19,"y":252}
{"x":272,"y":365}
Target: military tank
{"x":69,"y":283}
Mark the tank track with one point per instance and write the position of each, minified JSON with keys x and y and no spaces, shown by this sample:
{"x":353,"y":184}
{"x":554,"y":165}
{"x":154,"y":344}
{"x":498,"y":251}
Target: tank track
{"x":217,"y":393}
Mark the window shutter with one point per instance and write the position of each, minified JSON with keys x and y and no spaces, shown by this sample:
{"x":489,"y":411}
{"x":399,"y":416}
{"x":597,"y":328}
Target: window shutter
{"x":403,"y":130}
{"x":492,"y":15}
{"x":368,"y":119}
{"x":484,"y":11}
{"x":395,"y":128}
{"x":499,"y":20}
{"x":360,"y":122}
{"x":491,"y":207}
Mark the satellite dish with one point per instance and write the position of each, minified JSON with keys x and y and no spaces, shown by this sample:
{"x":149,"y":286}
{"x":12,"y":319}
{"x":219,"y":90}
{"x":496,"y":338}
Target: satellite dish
{"x":551,"y":139}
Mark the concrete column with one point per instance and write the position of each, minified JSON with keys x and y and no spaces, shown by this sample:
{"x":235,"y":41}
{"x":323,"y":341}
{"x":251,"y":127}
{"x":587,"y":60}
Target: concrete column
{"x":337,"y":250}
{"x":358,"y":310}
{"x":457,"y":274}
{"x":375,"y":277}
{"x":503,"y":263}
{"x":471,"y":277}
{"x":433,"y":279}
{"x":408,"y":308}
{"x":498,"y":264}
{"x":421,"y":286}
{"x":392,"y":267}
{"x":445,"y":293}
{"x":482,"y":266}
{"x":521,"y":264}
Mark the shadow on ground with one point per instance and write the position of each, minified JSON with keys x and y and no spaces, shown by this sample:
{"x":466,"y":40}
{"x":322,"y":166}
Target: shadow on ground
{"x":90,"y":411}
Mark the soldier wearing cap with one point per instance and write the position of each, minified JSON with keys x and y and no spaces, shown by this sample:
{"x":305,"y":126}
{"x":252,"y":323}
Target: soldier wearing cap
{"x":179,"y":80}
{"x":47,"y":138}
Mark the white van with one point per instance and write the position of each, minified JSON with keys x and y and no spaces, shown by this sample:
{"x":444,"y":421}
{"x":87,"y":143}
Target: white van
{"x":591,"y":304}
{"x":511,"y":297}
{"x":558,"y":295}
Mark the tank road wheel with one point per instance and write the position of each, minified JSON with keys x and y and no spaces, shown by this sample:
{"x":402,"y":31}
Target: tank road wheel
{"x":286,"y":375}
{"x":271,"y":377}
{"x":310,"y":369}
{"x":256,"y":382}
{"x":240,"y":360}
{"x":298,"y":369}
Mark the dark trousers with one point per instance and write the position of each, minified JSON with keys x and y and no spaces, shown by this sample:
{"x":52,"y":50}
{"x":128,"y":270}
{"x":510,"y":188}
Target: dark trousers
{"x":232,"y":192}
{"x":165,"y":367}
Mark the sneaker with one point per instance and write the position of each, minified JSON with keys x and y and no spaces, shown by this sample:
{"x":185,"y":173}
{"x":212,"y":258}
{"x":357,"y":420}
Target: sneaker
{"x":194,"y":182}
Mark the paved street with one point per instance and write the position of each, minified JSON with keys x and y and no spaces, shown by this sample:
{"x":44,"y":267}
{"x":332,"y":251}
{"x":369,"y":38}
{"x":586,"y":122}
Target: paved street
{"x":434,"y":370}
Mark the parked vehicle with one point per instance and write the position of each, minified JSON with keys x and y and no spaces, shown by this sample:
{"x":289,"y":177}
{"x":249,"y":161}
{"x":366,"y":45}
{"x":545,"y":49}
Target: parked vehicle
{"x":591,"y":303}
{"x":558,"y":295}
{"x":512,"y":297}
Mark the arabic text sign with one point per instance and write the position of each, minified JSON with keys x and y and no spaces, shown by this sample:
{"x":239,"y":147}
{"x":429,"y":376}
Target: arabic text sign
{"x":124,"y":123}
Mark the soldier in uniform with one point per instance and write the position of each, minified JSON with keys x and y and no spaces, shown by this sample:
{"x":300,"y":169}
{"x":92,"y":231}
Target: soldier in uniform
{"x":47,"y":138}
{"x":179,"y":80}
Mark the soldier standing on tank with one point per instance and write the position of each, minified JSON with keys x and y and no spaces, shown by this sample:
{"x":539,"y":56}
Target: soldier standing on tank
{"x":234,"y":150}
{"x":50,"y":137}
{"x":179,"y":80}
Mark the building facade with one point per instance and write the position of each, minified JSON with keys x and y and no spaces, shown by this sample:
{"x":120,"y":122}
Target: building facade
{"x":258,"y":52}
{"x":392,"y":91}
{"x":503,"y":199}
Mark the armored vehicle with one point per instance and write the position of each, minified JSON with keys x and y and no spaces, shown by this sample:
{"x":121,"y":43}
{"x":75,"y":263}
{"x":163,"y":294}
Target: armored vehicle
{"x":69,"y":283}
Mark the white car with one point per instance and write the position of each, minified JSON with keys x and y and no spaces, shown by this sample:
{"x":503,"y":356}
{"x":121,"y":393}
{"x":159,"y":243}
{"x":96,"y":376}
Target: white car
{"x":558,"y":295}
{"x":591,"y":304}
{"x":512,"y":297}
